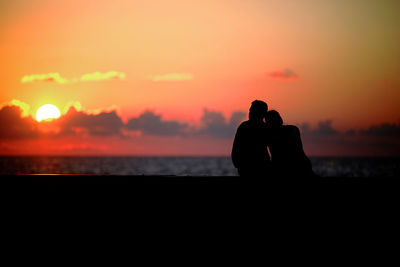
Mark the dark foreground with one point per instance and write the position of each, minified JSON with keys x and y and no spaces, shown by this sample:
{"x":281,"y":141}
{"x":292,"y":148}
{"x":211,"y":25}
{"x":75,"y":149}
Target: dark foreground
{"x":219,"y":211}
{"x":61,"y":182}
{"x":200,"y":188}
{"x":290,"y":199}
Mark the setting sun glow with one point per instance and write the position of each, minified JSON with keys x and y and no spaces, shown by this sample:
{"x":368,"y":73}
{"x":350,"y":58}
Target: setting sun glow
{"x":47,"y":112}
{"x":177,"y":78}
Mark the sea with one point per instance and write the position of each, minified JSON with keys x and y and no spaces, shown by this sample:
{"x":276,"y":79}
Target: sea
{"x":186,"y":166}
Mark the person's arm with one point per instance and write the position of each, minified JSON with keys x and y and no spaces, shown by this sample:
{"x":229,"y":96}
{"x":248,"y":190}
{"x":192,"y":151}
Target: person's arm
{"x":236,"y":148}
{"x":298,"y":143}
{"x":299,"y":147}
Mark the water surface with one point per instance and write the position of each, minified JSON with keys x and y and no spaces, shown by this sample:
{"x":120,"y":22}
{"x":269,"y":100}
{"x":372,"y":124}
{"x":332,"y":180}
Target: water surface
{"x":186,"y":166}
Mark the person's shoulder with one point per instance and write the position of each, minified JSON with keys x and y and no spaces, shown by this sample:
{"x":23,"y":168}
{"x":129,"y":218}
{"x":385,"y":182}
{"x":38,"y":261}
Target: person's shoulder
{"x":292,"y":129}
{"x":243,"y":125}
{"x":242,"y":128}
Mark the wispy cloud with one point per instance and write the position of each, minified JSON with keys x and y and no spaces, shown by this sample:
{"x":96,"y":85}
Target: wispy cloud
{"x":98,"y":76}
{"x":285,"y":74}
{"x":171,"y":77}
{"x":89,"y":77}
{"x":49,"y":77}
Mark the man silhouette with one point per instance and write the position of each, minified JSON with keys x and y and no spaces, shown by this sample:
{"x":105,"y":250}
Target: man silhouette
{"x":249,"y":152}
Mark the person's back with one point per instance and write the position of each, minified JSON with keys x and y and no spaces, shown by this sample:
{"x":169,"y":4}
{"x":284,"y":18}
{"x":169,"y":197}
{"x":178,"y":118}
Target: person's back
{"x":284,"y":142}
{"x":249,"y":152}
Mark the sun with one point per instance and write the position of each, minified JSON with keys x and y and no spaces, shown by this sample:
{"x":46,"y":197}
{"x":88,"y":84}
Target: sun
{"x":47,"y":112}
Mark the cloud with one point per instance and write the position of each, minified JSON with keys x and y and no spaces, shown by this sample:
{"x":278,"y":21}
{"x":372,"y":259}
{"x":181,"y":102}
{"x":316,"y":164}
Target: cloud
{"x":72,"y":104}
{"x":81,"y":148}
{"x":285,"y":74}
{"x":324,"y":128}
{"x":24,"y":107}
{"x":172,"y":77}
{"x":323,"y":139}
{"x":214,"y":123}
{"x":153,"y":124}
{"x":74,"y":123}
{"x":378,"y":140}
{"x":49,"y":77}
{"x":102,"y":124}
{"x":98,"y":76}
{"x":89,"y":77}
{"x":237,"y":117}
{"x":14,"y":126}
{"x":384,"y":130}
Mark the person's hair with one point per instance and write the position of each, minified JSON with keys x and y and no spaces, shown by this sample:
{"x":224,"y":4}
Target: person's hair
{"x":273,"y":118}
{"x":258,"y":110}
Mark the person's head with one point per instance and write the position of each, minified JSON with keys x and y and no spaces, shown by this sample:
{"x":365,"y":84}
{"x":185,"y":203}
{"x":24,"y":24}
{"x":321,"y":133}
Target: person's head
{"x":258,"y":110}
{"x":273,"y":118}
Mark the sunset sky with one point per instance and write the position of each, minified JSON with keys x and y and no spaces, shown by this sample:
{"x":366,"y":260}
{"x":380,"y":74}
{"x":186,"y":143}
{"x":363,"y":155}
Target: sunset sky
{"x":177,"y":77}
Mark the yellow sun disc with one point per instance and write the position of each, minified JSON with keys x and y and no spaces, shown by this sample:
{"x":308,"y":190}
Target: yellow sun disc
{"x":47,"y":112}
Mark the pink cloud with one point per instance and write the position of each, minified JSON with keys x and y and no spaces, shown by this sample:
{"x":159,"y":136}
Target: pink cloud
{"x":285,"y":74}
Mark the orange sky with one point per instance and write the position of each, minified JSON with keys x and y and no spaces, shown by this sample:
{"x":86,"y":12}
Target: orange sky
{"x":312,"y":60}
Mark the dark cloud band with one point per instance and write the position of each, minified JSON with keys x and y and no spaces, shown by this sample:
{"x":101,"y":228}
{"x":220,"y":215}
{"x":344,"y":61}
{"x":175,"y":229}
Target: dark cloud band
{"x":381,"y":139}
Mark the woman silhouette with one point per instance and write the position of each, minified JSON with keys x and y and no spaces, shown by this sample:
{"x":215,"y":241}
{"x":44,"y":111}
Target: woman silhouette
{"x":284,"y":142}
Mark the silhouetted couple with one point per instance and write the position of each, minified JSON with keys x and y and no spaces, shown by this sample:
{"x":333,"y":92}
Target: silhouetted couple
{"x":263,"y":130}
